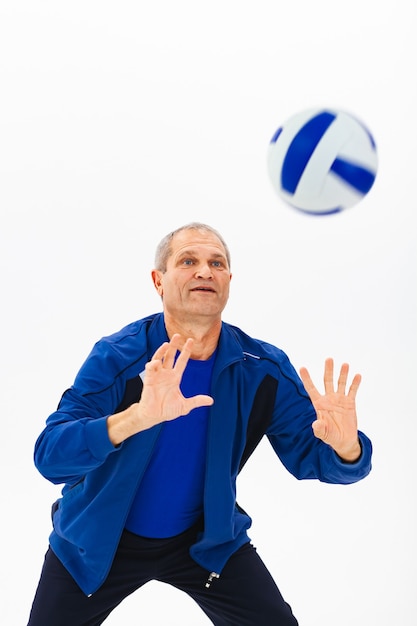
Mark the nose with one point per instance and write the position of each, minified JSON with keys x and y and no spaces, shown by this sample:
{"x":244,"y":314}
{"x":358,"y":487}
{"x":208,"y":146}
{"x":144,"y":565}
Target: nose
{"x":204,"y":271}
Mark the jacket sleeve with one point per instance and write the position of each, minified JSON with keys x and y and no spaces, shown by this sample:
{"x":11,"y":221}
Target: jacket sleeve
{"x":75,"y":439}
{"x":293,"y":440}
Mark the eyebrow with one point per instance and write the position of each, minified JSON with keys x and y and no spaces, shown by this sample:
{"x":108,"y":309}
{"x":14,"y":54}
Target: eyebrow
{"x":191,"y":252}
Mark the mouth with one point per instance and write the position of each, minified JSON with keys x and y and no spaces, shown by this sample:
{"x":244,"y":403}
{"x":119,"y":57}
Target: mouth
{"x":204,"y":289}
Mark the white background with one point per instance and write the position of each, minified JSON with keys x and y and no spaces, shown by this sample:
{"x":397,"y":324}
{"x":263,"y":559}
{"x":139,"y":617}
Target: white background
{"x":123,"y":120}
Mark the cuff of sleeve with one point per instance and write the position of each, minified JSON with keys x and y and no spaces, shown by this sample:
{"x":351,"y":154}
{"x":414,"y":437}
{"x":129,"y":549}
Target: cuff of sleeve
{"x":97,"y":438}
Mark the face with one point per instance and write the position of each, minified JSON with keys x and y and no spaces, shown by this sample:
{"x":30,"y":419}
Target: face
{"x":197,"y":278}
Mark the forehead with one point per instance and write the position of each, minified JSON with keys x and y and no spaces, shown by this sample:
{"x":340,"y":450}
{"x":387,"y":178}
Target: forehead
{"x":197,"y":241}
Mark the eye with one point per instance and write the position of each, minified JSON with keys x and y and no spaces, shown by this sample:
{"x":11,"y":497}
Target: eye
{"x":187,"y":262}
{"x":217,"y":264}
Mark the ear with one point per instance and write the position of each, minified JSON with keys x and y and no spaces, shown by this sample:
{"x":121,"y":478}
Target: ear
{"x":157,"y":281}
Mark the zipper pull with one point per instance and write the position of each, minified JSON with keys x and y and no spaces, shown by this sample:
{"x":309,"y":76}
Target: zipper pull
{"x":210,"y":579}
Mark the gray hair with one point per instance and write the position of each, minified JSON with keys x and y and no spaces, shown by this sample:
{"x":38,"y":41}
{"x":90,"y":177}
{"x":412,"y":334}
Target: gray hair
{"x":164,"y":248}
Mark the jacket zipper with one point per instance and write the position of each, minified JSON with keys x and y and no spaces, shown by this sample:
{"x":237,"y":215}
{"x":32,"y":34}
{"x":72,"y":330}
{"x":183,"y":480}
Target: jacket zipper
{"x":210,"y":579}
{"x":213,"y":575}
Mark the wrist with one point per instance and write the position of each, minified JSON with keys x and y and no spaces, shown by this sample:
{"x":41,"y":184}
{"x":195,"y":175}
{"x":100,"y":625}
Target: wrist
{"x":350,"y":454}
{"x":121,"y":426}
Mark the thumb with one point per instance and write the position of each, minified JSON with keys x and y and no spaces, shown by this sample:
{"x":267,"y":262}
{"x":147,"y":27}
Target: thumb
{"x":197,"y":401}
{"x":319,"y":429}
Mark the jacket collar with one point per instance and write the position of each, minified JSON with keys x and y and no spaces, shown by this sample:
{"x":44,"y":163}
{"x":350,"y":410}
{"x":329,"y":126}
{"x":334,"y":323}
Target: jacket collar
{"x":229,"y":349}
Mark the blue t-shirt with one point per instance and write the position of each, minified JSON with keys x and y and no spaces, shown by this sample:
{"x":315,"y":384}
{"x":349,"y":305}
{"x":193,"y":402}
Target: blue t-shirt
{"x":170,"y":497}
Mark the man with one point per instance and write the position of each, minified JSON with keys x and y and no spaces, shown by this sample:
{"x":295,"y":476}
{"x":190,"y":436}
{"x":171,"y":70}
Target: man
{"x":151,"y":437}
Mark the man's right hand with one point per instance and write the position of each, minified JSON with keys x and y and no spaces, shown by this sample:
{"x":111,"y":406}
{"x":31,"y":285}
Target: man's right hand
{"x":161,"y":399}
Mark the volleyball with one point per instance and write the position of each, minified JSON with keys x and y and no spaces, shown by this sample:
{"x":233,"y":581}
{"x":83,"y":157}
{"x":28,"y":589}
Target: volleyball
{"x":322,"y":161}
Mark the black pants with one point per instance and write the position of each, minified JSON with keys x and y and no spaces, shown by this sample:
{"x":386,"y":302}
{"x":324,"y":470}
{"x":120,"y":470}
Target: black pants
{"x":244,"y":595}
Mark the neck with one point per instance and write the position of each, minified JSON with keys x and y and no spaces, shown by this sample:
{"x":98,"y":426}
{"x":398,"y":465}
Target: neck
{"x":205,"y":336}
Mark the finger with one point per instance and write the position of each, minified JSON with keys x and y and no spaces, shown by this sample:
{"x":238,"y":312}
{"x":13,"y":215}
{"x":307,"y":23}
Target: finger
{"x":328,"y":376}
{"x":171,"y":351}
{"x":184,"y":356}
{"x":153,"y":366}
{"x":341,"y":383}
{"x":354,"y":386}
{"x":308,"y":383}
{"x":160,"y":352}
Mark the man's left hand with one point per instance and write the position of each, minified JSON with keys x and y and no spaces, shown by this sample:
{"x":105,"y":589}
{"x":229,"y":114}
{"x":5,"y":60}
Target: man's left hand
{"x":336,"y":422}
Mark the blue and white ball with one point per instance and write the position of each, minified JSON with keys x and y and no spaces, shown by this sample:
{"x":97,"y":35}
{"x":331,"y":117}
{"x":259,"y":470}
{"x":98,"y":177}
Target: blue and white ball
{"x":322,"y":161}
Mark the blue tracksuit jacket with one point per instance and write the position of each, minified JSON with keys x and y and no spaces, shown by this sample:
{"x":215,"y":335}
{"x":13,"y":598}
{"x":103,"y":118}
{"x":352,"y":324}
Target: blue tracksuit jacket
{"x":256,"y":391}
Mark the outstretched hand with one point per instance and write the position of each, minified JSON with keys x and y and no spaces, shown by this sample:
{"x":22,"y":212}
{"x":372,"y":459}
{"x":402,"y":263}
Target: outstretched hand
{"x":336,"y":422}
{"x":162,"y":399}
